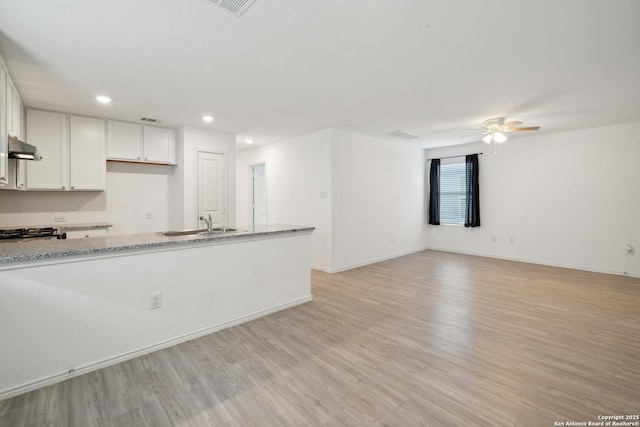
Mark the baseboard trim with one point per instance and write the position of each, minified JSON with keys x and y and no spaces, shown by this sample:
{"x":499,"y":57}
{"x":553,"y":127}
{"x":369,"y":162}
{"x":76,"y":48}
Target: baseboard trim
{"x":369,"y":262}
{"x":320,"y":268}
{"x":538,"y":262}
{"x":56,"y":378}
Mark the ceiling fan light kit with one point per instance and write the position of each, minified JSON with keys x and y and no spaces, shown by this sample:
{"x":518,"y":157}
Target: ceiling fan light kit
{"x":495,"y":130}
{"x":496,"y":136}
{"x":499,"y":137}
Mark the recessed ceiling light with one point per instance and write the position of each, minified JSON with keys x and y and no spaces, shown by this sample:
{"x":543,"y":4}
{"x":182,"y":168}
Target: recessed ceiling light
{"x":249,"y":141}
{"x":103,"y":99}
{"x":207,"y":119}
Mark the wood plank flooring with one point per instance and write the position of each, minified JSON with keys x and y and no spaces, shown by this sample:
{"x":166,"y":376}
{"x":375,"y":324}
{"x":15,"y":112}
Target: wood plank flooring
{"x":432,"y":338}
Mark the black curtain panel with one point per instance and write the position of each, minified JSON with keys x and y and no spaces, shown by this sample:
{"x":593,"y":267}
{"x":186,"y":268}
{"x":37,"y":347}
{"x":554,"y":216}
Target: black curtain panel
{"x":434,"y":192}
{"x":472,"y":217}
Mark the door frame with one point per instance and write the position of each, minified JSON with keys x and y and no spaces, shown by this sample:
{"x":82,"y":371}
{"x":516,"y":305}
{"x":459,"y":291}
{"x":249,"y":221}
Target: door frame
{"x":225,"y":184}
{"x":251,"y":207}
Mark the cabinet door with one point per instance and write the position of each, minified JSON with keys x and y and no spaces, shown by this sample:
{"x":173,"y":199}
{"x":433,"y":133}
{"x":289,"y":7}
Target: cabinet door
{"x":82,"y":234}
{"x":49,"y":132}
{"x":159,"y":145}
{"x":4,"y":164}
{"x":16,"y":114}
{"x":88,"y":163}
{"x":124,"y":141}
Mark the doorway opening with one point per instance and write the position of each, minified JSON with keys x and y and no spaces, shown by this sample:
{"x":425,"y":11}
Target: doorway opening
{"x":258,"y":194}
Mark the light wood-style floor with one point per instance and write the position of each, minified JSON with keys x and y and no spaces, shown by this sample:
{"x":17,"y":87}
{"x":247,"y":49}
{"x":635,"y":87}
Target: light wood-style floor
{"x":431,"y":339}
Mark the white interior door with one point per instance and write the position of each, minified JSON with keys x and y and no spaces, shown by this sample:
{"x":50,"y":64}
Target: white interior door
{"x":258,"y":194}
{"x":212,"y":194}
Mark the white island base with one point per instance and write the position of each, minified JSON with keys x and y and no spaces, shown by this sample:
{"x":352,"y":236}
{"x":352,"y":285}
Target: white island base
{"x":68,"y":316}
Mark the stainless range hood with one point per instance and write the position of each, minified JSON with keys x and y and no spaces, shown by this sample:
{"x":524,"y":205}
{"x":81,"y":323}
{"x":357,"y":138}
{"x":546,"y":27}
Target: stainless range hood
{"x":22,"y":151}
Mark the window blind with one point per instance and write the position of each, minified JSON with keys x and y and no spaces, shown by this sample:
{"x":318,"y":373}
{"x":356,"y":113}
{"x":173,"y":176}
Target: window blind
{"x":452,"y":193}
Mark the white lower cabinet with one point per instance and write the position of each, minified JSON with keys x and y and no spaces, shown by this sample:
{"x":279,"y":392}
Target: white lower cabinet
{"x":73,"y":152}
{"x":81,"y":234}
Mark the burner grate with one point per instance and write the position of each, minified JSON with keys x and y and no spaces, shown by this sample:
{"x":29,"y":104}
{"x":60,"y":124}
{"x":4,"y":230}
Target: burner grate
{"x":32,"y":232}
{"x":14,"y":233}
{"x":40,"y":232}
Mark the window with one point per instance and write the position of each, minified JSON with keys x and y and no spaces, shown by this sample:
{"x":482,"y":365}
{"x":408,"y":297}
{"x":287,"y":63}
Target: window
{"x":454,"y":191}
{"x":453,"y":204}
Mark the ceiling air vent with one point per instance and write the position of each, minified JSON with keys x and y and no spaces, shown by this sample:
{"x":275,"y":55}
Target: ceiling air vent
{"x":237,"y":7}
{"x":402,"y":135}
{"x":149,"y":120}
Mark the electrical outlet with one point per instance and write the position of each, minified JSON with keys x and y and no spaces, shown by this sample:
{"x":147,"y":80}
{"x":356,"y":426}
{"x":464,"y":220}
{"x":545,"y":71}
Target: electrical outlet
{"x":493,"y":238}
{"x":149,"y":215}
{"x":393,"y":238}
{"x":60,"y":218}
{"x":155,"y":301}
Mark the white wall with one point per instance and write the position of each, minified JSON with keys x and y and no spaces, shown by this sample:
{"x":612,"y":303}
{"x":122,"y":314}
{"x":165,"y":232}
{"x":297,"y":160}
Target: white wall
{"x":568,"y":199}
{"x":297,"y":171}
{"x":125,"y":202}
{"x":378,"y":199}
{"x":185,"y":200}
{"x":84,"y":314}
{"x":374,"y":189}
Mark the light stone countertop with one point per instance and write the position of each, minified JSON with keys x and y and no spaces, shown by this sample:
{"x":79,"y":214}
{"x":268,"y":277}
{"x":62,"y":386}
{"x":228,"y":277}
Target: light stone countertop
{"x":23,"y":250}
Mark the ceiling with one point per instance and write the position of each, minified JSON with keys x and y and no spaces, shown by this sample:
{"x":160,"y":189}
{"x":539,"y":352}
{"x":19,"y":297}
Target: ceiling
{"x":287,"y":67}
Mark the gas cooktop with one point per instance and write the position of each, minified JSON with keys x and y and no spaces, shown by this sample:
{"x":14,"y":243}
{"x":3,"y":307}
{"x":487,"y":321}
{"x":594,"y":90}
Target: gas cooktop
{"x":28,"y":233}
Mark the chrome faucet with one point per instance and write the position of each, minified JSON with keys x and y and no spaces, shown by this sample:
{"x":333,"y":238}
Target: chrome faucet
{"x":209,"y":223}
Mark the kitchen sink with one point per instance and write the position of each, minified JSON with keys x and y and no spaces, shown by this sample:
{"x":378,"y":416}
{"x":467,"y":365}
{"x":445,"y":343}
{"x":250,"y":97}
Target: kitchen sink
{"x":203,"y":231}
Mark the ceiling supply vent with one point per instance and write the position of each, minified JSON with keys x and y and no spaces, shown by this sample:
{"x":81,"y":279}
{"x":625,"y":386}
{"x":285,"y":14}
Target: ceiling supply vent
{"x":237,"y":7}
{"x":402,"y":135}
{"x":149,"y":120}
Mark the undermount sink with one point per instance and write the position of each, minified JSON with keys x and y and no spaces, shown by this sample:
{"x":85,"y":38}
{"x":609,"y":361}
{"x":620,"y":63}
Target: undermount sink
{"x":203,"y":231}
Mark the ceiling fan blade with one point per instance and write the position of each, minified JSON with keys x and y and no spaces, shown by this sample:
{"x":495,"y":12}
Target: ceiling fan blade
{"x":512,"y":124}
{"x":522,"y":129}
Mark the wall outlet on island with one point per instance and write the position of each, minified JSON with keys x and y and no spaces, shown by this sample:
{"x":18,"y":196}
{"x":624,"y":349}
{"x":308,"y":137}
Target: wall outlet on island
{"x":60,"y":218}
{"x":149,"y":215}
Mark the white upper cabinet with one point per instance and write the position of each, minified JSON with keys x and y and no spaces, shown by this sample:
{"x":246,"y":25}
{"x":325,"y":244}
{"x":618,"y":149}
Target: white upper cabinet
{"x":72,"y":149}
{"x":4,"y":163}
{"x":159,"y":145}
{"x":125,"y":141}
{"x":49,"y":132}
{"x":16,"y":114}
{"x":137,"y":143}
{"x":11,"y":123}
{"x":88,"y":162}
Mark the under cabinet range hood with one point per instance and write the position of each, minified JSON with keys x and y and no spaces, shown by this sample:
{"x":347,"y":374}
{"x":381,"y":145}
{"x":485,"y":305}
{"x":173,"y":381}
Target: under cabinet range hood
{"x":22,"y":151}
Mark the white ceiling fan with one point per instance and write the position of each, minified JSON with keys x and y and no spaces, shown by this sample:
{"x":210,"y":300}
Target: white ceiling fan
{"x":495,"y":129}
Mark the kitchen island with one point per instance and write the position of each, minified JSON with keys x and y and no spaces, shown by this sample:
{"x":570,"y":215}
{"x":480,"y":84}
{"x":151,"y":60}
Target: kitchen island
{"x":68,"y":307}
